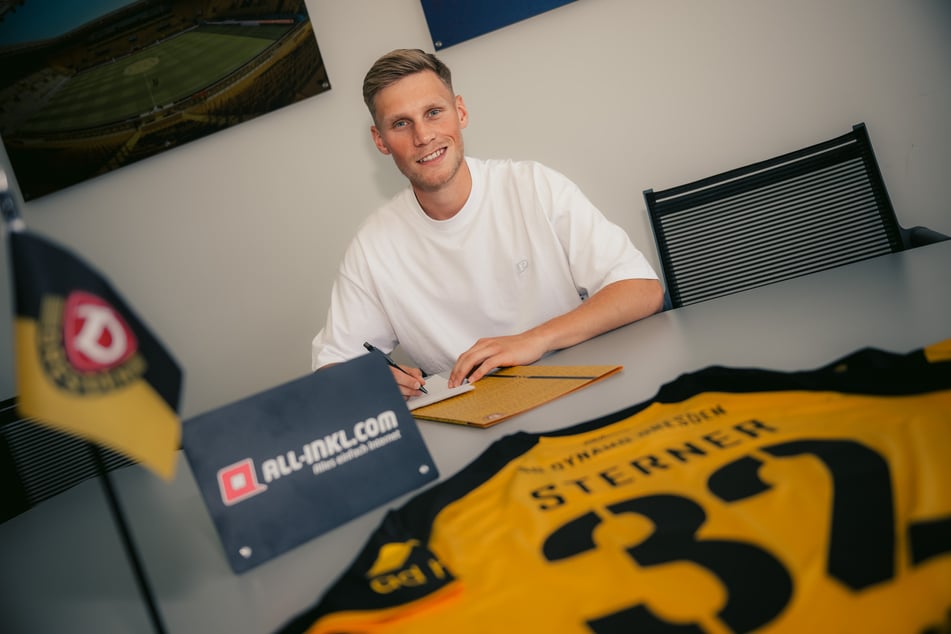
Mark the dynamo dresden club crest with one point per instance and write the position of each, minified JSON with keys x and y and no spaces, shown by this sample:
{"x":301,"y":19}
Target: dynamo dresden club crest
{"x":85,"y":345}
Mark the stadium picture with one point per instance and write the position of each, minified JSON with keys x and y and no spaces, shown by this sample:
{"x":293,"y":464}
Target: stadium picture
{"x":88,"y":87}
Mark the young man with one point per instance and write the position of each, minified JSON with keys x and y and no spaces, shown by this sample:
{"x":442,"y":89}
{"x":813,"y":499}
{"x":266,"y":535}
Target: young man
{"x":478,"y":264}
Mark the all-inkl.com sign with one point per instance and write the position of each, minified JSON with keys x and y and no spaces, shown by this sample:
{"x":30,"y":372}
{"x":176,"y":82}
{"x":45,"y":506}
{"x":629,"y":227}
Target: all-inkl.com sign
{"x":239,"y":481}
{"x":286,"y":465}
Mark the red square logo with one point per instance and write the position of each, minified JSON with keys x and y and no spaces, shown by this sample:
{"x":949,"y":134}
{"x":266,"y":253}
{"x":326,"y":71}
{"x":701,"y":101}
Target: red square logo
{"x":238,"y":482}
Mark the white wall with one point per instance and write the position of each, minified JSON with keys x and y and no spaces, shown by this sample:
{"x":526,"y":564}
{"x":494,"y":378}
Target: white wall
{"x":228,"y":246}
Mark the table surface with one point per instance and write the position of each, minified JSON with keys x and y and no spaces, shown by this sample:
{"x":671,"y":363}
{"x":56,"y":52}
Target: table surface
{"x":62,"y":562}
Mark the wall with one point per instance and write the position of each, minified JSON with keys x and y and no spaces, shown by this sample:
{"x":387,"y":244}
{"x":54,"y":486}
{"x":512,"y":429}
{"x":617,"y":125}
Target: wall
{"x":228,"y":246}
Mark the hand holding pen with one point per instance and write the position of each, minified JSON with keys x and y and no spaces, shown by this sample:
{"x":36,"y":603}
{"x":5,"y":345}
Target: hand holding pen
{"x":393,"y":364}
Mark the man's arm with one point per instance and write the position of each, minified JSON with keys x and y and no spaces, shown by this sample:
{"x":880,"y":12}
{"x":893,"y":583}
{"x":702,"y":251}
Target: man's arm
{"x":613,"y":306}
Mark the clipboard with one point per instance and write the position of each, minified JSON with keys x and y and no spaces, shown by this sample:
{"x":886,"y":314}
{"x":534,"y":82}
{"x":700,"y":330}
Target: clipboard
{"x":510,"y":391}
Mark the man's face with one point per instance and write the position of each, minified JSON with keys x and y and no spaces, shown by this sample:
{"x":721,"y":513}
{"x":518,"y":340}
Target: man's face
{"x":419,"y":123}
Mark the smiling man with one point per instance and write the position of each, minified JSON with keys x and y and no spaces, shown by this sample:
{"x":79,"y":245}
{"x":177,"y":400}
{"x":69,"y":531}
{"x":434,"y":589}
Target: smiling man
{"x":478,"y":264}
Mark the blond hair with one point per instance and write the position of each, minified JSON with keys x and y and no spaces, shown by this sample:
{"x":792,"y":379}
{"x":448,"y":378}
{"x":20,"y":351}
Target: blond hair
{"x":396,"y":65}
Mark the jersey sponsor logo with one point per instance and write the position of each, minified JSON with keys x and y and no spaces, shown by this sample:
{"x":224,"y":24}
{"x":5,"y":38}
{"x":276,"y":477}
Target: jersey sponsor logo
{"x":404,"y":566}
{"x":392,"y":556}
{"x":85,"y":345}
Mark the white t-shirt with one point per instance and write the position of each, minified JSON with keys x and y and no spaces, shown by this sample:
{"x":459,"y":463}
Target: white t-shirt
{"x":526,"y":247}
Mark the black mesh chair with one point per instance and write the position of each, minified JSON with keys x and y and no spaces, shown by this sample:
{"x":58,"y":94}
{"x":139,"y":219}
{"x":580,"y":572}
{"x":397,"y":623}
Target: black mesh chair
{"x":37,"y":462}
{"x":816,"y":208}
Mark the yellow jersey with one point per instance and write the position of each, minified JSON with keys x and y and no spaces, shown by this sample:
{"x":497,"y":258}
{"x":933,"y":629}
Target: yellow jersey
{"x":736,"y":500}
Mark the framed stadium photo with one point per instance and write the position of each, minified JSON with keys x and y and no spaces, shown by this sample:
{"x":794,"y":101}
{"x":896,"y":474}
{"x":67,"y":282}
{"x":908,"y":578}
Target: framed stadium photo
{"x":89,"y":87}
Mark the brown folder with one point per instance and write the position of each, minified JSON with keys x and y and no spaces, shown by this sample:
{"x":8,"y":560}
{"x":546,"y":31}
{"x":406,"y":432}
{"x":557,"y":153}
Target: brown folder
{"x":511,"y":391}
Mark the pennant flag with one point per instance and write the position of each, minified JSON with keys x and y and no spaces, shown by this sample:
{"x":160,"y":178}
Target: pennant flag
{"x":85,"y":363}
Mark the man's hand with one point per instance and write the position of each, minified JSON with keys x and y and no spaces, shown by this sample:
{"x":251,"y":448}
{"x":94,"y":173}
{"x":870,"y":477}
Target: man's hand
{"x":613,"y":306}
{"x":409,"y":384}
{"x":496,"y":352}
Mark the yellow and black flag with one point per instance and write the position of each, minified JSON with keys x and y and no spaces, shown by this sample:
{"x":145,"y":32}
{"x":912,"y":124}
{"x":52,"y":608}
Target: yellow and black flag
{"x":85,"y":363}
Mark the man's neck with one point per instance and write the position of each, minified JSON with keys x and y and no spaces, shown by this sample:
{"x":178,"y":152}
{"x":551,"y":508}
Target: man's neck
{"x":447,"y":201}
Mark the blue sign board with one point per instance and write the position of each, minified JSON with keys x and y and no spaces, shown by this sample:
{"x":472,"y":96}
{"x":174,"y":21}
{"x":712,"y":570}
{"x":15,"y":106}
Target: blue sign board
{"x":283,"y":466}
{"x":454,"y":21}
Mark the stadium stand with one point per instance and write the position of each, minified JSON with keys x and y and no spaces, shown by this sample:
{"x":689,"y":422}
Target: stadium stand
{"x":49,"y":153}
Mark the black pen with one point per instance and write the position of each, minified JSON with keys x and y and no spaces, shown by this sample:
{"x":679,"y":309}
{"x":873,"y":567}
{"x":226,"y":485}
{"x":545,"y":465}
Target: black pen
{"x":391,"y":362}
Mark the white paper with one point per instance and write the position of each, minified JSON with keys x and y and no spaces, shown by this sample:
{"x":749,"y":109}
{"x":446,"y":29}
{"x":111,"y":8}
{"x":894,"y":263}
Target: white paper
{"x":439,"y":390}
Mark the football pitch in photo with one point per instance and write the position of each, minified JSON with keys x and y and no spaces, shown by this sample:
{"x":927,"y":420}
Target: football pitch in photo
{"x":153,"y":78}
{"x":85,"y":111}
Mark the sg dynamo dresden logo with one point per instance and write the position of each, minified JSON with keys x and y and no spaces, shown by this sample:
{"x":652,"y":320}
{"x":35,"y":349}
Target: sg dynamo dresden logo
{"x":85,"y":345}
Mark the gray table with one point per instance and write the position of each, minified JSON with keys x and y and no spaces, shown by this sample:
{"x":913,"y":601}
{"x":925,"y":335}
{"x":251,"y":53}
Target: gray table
{"x":61,"y":564}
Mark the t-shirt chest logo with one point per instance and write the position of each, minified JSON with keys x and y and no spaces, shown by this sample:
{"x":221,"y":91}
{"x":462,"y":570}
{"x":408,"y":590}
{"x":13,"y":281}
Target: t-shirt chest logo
{"x":521,"y":266}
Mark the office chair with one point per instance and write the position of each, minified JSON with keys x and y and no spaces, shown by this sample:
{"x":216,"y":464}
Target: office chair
{"x":816,"y":208}
{"x":37,"y":462}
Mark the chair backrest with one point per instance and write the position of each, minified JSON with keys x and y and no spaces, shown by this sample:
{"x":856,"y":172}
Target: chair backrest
{"x":37,"y":462}
{"x":816,"y":208}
